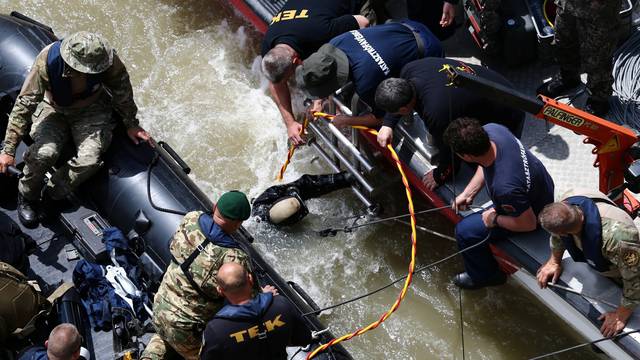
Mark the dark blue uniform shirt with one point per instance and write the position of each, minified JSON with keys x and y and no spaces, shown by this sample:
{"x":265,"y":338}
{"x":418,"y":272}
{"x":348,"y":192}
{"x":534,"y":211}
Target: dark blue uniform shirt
{"x":516,"y":180}
{"x":380,"y":52}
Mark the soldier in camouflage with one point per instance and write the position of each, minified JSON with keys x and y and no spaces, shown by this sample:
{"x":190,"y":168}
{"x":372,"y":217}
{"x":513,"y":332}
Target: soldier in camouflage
{"x":187,"y":297}
{"x":69,"y":93}
{"x":594,"y":230}
{"x":586,"y":34}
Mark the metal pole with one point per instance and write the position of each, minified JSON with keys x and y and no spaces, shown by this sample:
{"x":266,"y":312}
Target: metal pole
{"x":335,"y":168}
{"x":365,"y":184}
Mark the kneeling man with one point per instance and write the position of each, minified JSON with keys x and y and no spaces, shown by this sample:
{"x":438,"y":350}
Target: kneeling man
{"x":595,"y":230}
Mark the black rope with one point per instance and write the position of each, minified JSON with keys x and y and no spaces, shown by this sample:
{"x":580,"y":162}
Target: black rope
{"x":584,"y":344}
{"x":333,"y":231}
{"x":149,"y":168}
{"x":420,"y":269}
{"x":461,"y":322}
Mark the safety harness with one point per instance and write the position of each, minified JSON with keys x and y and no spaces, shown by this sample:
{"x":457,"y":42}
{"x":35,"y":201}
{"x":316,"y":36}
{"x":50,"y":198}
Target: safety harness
{"x":419,"y":40}
{"x":591,"y":252}
{"x":192,"y":257}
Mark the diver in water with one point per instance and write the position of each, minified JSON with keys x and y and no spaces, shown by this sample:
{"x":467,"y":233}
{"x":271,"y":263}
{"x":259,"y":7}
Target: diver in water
{"x":284,"y":204}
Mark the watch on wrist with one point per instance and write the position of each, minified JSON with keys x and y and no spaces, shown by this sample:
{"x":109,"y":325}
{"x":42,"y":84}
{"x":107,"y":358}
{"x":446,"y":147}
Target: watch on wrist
{"x":495,"y":221}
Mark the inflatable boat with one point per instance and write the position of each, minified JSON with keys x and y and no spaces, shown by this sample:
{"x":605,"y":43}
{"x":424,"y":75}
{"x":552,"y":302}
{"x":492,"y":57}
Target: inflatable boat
{"x":586,"y":294}
{"x":142,"y":190}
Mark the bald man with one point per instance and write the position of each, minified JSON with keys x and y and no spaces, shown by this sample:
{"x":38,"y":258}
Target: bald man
{"x":63,"y":344}
{"x":249,"y":327}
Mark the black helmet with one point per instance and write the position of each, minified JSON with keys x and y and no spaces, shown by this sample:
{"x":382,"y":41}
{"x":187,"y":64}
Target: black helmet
{"x":288,"y":209}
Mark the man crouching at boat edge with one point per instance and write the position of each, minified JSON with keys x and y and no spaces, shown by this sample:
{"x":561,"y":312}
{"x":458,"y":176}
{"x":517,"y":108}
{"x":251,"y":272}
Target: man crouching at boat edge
{"x":188,"y":297}
{"x":595,"y":230}
{"x":519,"y":187}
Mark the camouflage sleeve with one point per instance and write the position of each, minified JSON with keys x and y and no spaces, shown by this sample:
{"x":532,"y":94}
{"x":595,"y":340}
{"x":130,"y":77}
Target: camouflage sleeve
{"x":626,"y":255}
{"x":116,"y":79}
{"x":31,"y":94}
{"x":556,"y":243}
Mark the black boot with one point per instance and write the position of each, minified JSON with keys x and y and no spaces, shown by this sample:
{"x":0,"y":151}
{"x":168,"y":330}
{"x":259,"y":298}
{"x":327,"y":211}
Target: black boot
{"x":465,"y":281}
{"x":559,"y":85}
{"x":27,"y":212}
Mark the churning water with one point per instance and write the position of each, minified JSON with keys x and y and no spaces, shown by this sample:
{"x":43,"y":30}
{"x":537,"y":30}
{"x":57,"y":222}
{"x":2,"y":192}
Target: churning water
{"x":193,"y":64}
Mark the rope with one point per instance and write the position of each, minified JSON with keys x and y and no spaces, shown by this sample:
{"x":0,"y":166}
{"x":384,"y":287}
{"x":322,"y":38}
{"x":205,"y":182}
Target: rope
{"x":626,"y":84}
{"x":292,"y":149}
{"x":584,"y":344}
{"x":412,"y":263}
{"x":461,"y":322}
{"x":418,"y":270}
{"x":334,"y":231}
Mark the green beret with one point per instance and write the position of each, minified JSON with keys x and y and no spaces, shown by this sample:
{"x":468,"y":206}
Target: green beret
{"x":234,"y":205}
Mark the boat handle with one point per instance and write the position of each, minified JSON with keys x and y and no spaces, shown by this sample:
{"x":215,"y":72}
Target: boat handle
{"x":174,"y":155}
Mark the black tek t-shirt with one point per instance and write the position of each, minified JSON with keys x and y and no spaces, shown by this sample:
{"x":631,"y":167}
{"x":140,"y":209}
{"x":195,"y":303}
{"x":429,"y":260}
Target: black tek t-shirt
{"x":517,"y":179}
{"x":306,"y":25}
{"x":226,"y":339}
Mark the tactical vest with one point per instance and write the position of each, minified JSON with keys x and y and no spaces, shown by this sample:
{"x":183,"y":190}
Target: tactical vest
{"x":20,"y":304}
{"x":591,"y":252}
{"x":61,"y":86}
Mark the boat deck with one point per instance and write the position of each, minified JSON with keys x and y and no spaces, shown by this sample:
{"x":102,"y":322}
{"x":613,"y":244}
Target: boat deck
{"x":570,"y":163}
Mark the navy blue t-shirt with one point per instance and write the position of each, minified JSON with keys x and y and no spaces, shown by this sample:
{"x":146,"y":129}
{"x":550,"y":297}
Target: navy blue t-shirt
{"x":380,"y":52}
{"x":516,"y":180}
{"x":306,"y":25}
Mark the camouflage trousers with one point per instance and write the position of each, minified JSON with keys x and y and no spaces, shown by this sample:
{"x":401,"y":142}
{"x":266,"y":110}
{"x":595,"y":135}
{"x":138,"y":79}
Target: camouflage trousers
{"x":89,"y":128}
{"x":185,"y":341}
{"x":586,"y":44}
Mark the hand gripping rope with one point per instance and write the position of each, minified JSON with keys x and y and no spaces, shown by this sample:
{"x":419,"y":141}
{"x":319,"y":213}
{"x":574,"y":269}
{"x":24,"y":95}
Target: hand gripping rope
{"x":292,"y":149}
{"x":407,"y":282}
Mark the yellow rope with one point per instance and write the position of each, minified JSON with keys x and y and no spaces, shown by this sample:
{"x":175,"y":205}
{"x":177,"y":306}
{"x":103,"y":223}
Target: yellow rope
{"x":292,"y":149}
{"x":409,"y":278}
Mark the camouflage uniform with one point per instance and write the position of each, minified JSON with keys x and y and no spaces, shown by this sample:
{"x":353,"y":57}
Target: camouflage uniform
{"x":156,"y":349}
{"x":87,"y":122}
{"x":586,"y":34}
{"x":180,"y":312}
{"x":620,"y":245}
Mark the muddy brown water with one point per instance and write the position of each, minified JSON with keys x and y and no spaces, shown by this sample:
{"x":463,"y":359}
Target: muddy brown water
{"x":194,"y":71}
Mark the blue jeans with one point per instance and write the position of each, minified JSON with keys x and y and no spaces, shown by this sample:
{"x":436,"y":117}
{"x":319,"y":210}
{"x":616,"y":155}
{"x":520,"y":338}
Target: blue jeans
{"x":479,"y":262}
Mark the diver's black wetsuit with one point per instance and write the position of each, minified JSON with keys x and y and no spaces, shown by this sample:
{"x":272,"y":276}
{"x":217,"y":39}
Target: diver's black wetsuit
{"x":306,"y":187}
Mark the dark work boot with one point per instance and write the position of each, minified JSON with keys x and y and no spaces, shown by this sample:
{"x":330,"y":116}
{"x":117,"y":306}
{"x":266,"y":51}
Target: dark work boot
{"x":559,"y":85}
{"x":598,"y":108}
{"x":27,"y":212}
{"x":464,"y":281}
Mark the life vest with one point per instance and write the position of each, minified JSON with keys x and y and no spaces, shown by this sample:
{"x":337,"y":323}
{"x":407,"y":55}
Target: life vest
{"x":591,"y":252}
{"x":61,"y":86}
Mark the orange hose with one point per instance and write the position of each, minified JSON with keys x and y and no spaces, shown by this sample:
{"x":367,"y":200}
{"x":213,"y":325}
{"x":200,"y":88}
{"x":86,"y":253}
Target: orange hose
{"x":409,"y":278}
{"x":292,"y":149}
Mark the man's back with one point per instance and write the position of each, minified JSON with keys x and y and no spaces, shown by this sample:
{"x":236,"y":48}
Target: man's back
{"x":176,"y":298}
{"x":517,"y":179}
{"x":234,"y":332}
{"x":307,"y":25}
{"x":439,"y":104}
{"x":379,"y":52}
